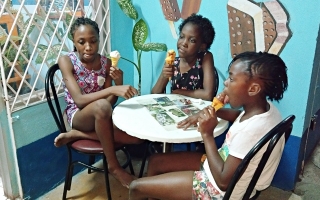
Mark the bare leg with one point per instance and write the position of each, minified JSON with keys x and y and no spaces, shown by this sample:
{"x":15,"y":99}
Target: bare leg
{"x":64,"y":138}
{"x":97,"y":117}
{"x":122,"y":137}
{"x":174,"y":185}
{"x":172,"y":162}
{"x":171,"y":177}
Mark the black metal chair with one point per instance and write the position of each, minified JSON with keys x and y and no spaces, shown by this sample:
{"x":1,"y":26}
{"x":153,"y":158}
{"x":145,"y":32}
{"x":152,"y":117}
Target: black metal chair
{"x":273,"y":136}
{"x":216,"y":75}
{"x":86,"y":147}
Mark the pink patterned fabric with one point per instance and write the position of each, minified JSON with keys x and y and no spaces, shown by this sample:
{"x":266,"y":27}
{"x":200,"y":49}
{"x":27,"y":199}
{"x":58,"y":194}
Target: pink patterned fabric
{"x":86,"y":79}
{"x":202,"y":187}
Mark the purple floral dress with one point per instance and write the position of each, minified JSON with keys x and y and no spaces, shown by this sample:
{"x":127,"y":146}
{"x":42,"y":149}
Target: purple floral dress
{"x":89,"y":81}
{"x":190,"y":80}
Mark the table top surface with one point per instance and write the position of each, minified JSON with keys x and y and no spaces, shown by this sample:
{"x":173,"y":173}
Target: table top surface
{"x":154,"y":117}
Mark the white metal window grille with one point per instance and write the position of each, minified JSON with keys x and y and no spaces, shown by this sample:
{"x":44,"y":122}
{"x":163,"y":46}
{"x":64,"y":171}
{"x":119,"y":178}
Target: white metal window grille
{"x":32,"y":37}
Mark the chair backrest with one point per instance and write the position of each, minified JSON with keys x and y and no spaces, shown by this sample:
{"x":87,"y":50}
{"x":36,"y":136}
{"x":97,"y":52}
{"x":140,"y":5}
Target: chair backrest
{"x":54,"y":104}
{"x":284,"y":127}
{"x":216,"y":75}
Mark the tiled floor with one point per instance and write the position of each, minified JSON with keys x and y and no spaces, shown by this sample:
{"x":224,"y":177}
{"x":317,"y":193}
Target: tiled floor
{"x":92,"y":187}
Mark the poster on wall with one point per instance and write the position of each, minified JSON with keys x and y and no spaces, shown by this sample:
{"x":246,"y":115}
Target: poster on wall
{"x":171,"y":12}
{"x":257,"y":26}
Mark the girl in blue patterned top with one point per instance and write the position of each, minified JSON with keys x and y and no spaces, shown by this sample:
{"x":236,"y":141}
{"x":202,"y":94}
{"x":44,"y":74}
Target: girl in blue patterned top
{"x":192,"y":72}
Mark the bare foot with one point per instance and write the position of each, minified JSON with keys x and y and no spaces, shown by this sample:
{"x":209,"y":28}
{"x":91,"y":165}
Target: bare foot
{"x":123,"y":176}
{"x":64,"y":138}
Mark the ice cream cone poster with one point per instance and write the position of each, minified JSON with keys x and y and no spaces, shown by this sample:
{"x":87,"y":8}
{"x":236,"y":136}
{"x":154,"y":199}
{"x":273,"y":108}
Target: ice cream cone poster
{"x":257,"y":26}
{"x":171,"y":12}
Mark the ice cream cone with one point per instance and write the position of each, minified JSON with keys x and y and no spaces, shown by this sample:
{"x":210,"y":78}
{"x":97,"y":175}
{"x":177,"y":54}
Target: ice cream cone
{"x":171,"y":55}
{"x":217,"y":104}
{"x":114,"y":61}
{"x":114,"y":56}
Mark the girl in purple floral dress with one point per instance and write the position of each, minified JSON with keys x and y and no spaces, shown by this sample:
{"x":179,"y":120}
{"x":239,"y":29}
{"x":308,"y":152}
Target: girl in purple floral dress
{"x":90,"y":95}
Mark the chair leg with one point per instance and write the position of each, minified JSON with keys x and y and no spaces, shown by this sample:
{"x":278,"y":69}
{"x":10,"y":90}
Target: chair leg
{"x":91,"y":162}
{"x":67,"y":182}
{"x":68,"y":178}
{"x":148,"y":143}
{"x":131,"y":168}
{"x":128,"y":162}
{"x":106,"y":177}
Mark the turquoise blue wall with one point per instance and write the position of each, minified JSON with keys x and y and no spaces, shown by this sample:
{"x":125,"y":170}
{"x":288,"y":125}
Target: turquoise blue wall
{"x":34,"y":131}
{"x":298,"y":53}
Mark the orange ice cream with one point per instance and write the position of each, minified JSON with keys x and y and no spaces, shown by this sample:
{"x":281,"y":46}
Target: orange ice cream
{"x":171,"y":55}
{"x":217,"y":102}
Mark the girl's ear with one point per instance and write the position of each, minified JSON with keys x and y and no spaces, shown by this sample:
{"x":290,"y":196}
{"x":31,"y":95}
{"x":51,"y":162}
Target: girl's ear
{"x":254,"y":89}
{"x":203,"y":47}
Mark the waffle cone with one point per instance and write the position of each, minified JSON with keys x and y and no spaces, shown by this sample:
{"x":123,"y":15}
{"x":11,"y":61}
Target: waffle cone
{"x":217,"y":104}
{"x":114,"y":61}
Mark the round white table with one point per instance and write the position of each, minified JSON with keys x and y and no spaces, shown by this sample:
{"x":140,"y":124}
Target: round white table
{"x":135,"y":119}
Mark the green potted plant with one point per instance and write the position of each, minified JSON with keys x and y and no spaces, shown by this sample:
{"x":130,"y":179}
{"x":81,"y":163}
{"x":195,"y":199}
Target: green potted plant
{"x":139,"y":36}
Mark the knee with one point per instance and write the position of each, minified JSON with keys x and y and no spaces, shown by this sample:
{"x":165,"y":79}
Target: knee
{"x":103,"y":108}
{"x":134,"y":188}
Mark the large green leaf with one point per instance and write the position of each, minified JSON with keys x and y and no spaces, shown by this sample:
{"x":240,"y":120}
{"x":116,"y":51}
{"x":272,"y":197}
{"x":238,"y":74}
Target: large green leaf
{"x":128,"y":8}
{"x":139,"y":34}
{"x":154,"y":47}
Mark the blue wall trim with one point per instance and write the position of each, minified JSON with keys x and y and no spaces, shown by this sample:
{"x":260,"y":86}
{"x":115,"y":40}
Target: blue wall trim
{"x":289,"y":167}
{"x":37,"y":165}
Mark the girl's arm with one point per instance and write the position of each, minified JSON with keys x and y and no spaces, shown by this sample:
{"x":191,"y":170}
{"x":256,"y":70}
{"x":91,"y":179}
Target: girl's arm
{"x":208,"y":81}
{"x":228,"y":114}
{"x":163,"y":79}
{"x":117,"y":75}
{"x":222,"y":171}
{"x":82,"y":100}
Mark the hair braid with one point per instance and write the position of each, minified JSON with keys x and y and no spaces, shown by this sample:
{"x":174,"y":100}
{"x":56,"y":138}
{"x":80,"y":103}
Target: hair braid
{"x":270,"y":69}
{"x":83,"y":21}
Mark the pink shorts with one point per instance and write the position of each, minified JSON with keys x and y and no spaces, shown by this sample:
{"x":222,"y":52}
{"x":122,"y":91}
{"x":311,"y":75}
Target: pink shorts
{"x":202,"y":187}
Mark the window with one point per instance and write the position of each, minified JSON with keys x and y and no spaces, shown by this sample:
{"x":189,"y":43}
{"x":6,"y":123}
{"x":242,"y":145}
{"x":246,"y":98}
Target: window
{"x":31,"y":42}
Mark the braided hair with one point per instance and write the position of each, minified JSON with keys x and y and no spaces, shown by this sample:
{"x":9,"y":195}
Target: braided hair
{"x":270,"y":69}
{"x":205,"y":26}
{"x":83,"y":21}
